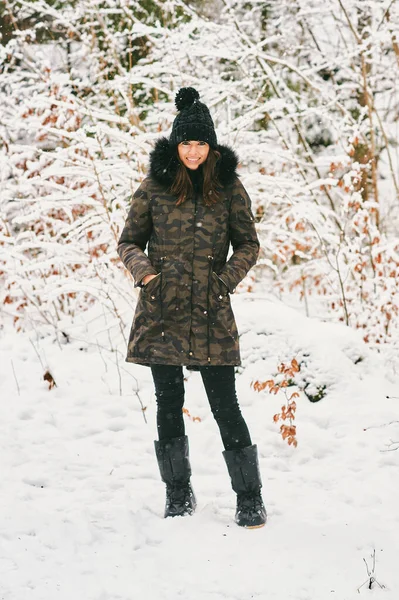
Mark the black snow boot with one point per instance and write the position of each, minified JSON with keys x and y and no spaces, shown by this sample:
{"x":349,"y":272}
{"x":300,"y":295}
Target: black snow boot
{"x":243,"y":467}
{"x":174,"y":466}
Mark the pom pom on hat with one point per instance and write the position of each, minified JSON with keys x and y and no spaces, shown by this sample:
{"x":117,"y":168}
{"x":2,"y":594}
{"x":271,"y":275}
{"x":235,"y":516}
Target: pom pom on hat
{"x":185,"y":97}
{"x":194,"y":121}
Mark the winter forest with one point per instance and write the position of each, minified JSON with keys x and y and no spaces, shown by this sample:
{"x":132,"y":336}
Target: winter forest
{"x":307,"y":93}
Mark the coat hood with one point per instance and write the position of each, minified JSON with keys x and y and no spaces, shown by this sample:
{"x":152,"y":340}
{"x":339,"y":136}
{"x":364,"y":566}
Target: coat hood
{"x":164,"y":163}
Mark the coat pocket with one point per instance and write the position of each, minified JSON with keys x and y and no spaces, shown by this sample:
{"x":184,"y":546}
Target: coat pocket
{"x":222,"y":287}
{"x":219,"y":291}
{"x":150,"y":295}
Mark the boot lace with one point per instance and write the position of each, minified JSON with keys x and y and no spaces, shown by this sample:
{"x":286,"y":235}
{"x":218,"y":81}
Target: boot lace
{"x":179,"y":497}
{"x":250,"y":502}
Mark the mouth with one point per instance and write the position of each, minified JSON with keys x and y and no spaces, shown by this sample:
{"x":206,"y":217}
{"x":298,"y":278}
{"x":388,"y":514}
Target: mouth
{"x":192,"y":159}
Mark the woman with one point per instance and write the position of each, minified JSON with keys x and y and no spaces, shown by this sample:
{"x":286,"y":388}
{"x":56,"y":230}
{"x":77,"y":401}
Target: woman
{"x":187,"y":212}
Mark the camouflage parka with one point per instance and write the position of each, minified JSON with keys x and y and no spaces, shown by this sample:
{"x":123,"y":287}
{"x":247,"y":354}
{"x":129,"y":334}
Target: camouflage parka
{"x":183,"y":316}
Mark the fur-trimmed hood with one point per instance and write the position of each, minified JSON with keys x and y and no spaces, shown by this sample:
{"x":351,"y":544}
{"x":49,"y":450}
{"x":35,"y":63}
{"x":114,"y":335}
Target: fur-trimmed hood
{"x":164,"y":164}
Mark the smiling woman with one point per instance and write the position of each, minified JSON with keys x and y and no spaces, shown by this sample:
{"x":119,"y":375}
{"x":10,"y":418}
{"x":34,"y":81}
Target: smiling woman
{"x":192,"y":154}
{"x":188,"y":212}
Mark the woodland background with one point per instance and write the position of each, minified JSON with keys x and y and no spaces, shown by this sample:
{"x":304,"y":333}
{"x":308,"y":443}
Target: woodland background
{"x":306,"y":91}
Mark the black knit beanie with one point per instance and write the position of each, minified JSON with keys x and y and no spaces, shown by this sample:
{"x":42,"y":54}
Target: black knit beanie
{"x":194,"y":121}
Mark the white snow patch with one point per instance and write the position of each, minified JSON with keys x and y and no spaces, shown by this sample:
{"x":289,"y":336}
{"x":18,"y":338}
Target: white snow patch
{"x":81,"y":501}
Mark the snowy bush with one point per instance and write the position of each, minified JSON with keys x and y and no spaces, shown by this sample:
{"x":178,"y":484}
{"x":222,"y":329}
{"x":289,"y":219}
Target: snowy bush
{"x":307,"y":95}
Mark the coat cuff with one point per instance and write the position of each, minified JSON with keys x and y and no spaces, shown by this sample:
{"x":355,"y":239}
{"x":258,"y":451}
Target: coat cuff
{"x":229,"y":282}
{"x":141,"y":273}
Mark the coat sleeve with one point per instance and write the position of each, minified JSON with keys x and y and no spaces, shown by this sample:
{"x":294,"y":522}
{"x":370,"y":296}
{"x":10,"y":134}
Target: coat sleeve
{"x":135,"y":236}
{"x":243,"y":238}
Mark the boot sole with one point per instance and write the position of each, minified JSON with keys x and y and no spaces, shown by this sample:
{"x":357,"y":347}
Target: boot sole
{"x":254,"y":526}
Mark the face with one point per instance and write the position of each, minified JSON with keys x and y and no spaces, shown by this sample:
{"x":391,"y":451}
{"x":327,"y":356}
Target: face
{"x":193,"y":154}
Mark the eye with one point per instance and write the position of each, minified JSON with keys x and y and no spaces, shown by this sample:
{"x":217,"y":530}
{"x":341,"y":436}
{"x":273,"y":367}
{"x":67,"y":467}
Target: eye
{"x":202,"y":143}
{"x":185,"y":143}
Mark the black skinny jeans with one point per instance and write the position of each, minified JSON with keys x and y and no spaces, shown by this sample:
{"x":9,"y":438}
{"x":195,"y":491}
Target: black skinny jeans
{"x":220,"y":387}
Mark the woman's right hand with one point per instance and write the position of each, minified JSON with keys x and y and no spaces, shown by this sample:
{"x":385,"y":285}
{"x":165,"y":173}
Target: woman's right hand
{"x":147,"y":278}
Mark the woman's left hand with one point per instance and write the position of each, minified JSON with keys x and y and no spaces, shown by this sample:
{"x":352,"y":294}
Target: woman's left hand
{"x":147,"y":278}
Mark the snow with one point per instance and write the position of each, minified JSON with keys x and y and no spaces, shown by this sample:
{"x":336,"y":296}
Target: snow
{"x":81,"y":501}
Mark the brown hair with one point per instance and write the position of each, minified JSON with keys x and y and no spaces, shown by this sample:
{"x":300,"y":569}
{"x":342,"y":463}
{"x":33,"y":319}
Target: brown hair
{"x":183,"y":188}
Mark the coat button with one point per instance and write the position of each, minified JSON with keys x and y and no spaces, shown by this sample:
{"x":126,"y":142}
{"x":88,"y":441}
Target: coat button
{"x":220,"y":297}
{"x":190,"y":353}
{"x":152,"y":297}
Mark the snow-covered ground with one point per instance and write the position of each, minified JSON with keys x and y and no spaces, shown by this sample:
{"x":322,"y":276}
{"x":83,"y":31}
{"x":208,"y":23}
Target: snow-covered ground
{"x":81,"y":501}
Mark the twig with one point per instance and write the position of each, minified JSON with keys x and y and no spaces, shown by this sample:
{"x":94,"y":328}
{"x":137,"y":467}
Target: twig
{"x":371,"y":579}
{"x":386,"y":13}
{"x":136,"y":392}
{"x":15,"y":377}
{"x":351,"y":27}
{"x":37,"y":354}
{"x":389,"y":449}
{"x":382,"y":425}
{"x":143,"y":408}
{"x":119,"y":373}
{"x":104,"y":380}
{"x":100,"y":353}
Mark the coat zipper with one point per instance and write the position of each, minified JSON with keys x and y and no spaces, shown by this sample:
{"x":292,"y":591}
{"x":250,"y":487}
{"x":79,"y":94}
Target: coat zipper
{"x":190,"y":352}
{"x":211,"y":258}
{"x":161,"y":299}
{"x":208,"y":321}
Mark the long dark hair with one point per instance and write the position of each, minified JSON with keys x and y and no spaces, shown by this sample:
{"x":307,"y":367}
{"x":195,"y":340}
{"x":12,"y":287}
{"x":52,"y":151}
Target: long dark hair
{"x":182,"y":186}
